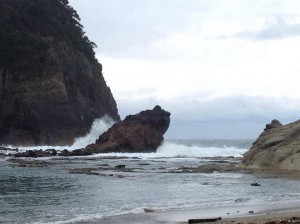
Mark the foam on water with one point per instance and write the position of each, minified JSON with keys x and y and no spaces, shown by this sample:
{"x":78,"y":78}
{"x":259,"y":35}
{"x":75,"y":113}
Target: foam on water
{"x":171,"y":149}
{"x":181,"y":150}
{"x":99,"y":126}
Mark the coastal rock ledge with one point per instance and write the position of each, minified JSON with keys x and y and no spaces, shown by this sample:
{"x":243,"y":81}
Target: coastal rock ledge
{"x":142,"y":132}
{"x":278,"y":147}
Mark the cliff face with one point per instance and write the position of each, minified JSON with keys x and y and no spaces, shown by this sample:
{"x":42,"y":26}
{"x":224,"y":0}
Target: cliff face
{"x":278,"y":147}
{"x":51,"y":85}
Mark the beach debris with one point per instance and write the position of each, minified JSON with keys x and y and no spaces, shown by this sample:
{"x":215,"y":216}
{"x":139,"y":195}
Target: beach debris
{"x":255,"y":184}
{"x":195,"y":221}
{"x":285,"y":221}
{"x":149,"y":210}
{"x":291,"y":220}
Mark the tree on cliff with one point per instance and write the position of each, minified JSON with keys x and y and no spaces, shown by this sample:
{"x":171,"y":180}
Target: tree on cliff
{"x":26,"y":25}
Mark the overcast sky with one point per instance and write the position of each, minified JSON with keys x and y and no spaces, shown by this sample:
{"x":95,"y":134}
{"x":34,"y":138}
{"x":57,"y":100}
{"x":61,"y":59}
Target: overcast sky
{"x":223,"y":68}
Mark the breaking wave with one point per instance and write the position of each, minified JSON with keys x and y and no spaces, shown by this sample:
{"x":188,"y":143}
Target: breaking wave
{"x":173,"y":149}
{"x":99,"y":126}
{"x":182,"y":150}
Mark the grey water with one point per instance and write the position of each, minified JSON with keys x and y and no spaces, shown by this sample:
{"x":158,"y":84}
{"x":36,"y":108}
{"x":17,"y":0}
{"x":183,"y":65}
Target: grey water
{"x":54,"y":194}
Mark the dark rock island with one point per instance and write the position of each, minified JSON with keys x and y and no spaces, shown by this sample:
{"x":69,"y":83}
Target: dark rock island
{"x":142,"y":132}
{"x":278,"y":147}
{"x":51,"y":85}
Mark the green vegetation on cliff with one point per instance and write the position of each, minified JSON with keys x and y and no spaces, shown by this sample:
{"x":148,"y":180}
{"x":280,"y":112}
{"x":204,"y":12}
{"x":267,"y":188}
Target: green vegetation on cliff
{"x":28,"y":25}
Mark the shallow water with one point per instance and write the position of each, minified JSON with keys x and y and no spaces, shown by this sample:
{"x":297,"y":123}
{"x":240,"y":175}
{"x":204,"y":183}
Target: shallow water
{"x":51,"y":194}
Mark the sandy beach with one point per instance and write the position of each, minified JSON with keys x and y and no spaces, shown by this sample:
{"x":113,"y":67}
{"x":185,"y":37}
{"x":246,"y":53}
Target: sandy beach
{"x":270,"y":218}
{"x":228,"y":215}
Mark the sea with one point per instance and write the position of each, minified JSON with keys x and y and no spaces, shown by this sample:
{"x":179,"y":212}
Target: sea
{"x":82,"y":189}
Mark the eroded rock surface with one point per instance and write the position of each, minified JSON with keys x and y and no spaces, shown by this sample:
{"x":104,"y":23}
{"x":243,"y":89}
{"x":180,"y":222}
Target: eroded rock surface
{"x":278,"y":147}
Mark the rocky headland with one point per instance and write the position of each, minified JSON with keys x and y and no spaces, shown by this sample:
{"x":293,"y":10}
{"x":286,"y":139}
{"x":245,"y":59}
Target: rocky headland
{"x":51,"y":84}
{"x":277,"y":147}
{"x":142,"y":132}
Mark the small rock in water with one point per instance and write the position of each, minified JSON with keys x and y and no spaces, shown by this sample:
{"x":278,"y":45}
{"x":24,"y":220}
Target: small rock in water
{"x":251,"y":212}
{"x":120,"y":166}
{"x":255,"y":184}
{"x":242,"y":200}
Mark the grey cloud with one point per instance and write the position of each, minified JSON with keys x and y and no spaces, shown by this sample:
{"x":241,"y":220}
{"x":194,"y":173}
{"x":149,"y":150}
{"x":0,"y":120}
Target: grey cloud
{"x":276,"y":30}
{"x":227,"y":117}
{"x":214,"y":130}
{"x":129,"y":28}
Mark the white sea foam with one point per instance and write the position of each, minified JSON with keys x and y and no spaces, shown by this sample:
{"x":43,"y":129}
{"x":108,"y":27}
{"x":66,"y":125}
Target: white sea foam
{"x":181,"y":150}
{"x":170,"y":149}
{"x":99,"y":126}
{"x":78,"y":218}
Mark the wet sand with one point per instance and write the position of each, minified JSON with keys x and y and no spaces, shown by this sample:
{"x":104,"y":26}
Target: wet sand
{"x":228,"y":215}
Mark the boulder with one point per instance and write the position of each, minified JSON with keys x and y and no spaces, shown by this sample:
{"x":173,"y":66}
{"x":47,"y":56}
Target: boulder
{"x":142,"y":132}
{"x":76,"y":152}
{"x":277,"y":147}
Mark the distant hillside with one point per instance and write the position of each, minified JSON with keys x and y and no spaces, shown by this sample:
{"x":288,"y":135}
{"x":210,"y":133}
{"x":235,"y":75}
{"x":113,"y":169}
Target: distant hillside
{"x":51,"y":85}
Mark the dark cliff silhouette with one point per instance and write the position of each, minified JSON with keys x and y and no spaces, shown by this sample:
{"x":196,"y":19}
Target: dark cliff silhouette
{"x":51,"y":84}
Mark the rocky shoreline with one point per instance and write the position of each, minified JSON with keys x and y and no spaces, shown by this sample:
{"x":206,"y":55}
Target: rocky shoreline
{"x":142,"y":132}
{"x":273,"y":153}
